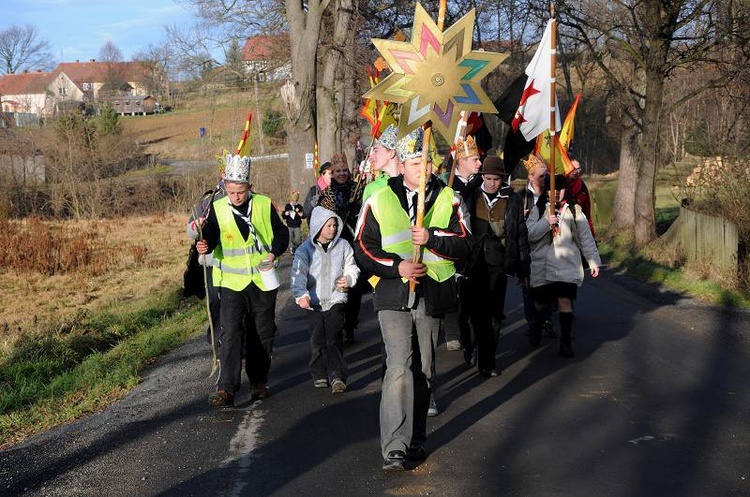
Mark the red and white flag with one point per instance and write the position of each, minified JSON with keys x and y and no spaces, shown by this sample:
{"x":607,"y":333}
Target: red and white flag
{"x":532,"y":116}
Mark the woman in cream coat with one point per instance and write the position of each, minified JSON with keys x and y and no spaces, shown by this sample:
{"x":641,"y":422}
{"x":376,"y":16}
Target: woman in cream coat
{"x":558,"y":242}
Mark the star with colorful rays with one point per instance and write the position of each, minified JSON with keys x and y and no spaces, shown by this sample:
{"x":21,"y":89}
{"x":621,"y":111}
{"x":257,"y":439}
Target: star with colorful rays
{"x":436,"y":75}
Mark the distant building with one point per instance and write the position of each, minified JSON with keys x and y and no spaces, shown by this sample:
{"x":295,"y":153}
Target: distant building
{"x":72,"y":85}
{"x":268,"y":57}
{"x":132,"y":105}
{"x":94,"y":80}
{"x":27,"y":93}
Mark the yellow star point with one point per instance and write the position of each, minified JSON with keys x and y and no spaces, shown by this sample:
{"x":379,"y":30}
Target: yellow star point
{"x":435,"y":75}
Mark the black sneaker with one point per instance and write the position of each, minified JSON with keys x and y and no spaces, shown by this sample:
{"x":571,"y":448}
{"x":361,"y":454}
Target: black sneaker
{"x":394,"y":461}
{"x":490,"y":373}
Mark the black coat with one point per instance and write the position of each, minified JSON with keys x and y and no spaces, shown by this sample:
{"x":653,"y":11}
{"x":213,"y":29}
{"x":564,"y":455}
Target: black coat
{"x":391,"y":293}
{"x":516,"y":258}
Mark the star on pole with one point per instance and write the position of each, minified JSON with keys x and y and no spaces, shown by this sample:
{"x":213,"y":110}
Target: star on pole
{"x":435,"y":75}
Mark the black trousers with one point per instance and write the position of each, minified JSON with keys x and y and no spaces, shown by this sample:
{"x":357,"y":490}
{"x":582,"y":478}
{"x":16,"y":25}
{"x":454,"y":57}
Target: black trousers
{"x":354,"y":302}
{"x":485,"y":290}
{"x":255,"y":309}
{"x":327,"y":344}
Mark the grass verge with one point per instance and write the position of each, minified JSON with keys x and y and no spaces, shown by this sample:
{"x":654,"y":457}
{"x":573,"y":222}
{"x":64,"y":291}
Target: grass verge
{"x":53,"y":378}
{"x":643,"y":268}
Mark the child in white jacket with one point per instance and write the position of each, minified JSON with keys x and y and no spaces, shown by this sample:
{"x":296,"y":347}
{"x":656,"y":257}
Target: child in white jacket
{"x":322,"y":272}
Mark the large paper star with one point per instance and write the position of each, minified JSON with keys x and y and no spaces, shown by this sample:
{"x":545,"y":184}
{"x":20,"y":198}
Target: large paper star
{"x":436,"y":75}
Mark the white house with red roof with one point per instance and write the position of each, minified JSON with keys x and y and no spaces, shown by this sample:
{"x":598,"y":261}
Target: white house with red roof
{"x":268,"y":57}
{"x":26,"y":93}
{"x":41,"y":93}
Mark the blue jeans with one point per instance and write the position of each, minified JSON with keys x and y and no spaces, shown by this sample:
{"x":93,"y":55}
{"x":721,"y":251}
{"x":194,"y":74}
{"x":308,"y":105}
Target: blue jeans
{"x":405,"y":395}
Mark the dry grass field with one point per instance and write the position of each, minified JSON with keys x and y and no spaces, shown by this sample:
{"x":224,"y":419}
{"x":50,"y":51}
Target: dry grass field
{"x":175,"y":134}
{"x":140,"y":254}
{"x":149,"y":254}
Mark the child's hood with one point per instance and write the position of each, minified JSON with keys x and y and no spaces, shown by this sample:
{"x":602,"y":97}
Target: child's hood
{"x":319,"y":217}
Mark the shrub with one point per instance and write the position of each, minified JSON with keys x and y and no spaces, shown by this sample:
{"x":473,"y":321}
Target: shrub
{"x":273,"y":124}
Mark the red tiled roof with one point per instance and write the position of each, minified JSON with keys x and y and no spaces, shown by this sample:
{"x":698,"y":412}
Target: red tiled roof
{"x":96,"y":72}
{"x":271,"y":47}
{"x":25,"y":83}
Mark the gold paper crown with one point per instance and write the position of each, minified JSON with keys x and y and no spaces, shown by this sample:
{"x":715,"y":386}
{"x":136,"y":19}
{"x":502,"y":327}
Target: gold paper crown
{"x":466,"y":148}
{"x":532,"y":162}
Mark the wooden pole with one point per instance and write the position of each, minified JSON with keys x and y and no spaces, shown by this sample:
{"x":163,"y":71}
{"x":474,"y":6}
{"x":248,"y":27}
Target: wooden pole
{"x":417,"y":255}
{"x":552,"y":120}
{"x":442,"y":10}
{"x":316,"y":162}
{"x":417,"y":250}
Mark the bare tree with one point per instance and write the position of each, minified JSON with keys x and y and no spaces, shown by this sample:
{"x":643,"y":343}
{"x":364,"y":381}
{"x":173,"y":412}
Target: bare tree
{"x":21,"y":47}
{"x":158,"y":64}
{"x":115,"y":79}
{"x":110,"y":52}
{"x":638,"y":45}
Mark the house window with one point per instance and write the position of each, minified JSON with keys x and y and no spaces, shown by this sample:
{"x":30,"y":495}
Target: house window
{"x":117,"y":102}
{"x":87,"y":86}
{"x":62,"y":91}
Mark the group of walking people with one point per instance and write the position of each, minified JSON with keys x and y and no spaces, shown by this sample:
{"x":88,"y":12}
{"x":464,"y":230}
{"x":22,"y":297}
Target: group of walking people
{"x":473,"y":233}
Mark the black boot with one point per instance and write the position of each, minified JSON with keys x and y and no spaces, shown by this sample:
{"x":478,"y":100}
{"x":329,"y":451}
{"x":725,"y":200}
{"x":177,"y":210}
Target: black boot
{"x":535,"y":338}
{"x":566,"y":339}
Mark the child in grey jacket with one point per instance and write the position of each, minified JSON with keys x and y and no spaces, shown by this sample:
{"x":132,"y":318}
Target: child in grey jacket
{"x":322,"y":272}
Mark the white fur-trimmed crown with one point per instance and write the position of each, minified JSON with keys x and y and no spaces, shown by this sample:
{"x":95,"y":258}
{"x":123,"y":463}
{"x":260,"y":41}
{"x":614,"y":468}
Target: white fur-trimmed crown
{"x":236,"y":168}
{"x":410,"y":146}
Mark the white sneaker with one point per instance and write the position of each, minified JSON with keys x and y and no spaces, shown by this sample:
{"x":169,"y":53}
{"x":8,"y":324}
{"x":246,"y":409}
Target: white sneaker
{"x":453,"y":345}
{"x":432,"y":411}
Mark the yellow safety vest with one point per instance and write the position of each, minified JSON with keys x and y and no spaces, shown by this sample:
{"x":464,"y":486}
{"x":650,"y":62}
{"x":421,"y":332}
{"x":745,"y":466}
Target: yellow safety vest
{"x":395,"y":229}
{"x":239,"y":258}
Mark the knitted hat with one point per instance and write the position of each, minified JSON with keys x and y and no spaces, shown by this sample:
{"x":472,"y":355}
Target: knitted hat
{"x":388,"y":138}
{"x":410,"y":146}
{"x":236,"y":168}
{"x":323,"y":168}
{"x":466,"y":148}
{"x":493,"y":165}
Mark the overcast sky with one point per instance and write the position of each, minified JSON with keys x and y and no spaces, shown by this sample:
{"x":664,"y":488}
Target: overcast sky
{"x":77,"y":29}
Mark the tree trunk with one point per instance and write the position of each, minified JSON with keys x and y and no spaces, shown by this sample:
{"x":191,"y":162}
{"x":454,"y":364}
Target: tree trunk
{"x":299,"y":93}
{"x":645,"y":218}
{"x":623,"y":212}
{"x":662,"y":18}
{"x":330,"y":96}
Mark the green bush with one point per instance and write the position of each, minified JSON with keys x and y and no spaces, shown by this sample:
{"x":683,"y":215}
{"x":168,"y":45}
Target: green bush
{"x":273,"y":124}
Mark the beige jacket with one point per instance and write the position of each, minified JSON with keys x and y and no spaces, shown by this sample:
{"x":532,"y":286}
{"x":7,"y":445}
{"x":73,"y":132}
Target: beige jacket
{"x":559,"y":259}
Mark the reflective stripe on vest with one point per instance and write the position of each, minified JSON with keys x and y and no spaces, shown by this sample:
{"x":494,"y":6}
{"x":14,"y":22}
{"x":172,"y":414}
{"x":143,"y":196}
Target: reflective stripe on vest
{"x":239,"y":258}
{"x":395,"y":229}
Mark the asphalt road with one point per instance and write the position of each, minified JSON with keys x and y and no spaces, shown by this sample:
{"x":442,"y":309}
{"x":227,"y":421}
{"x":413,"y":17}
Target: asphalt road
{"x":655,"y":403}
